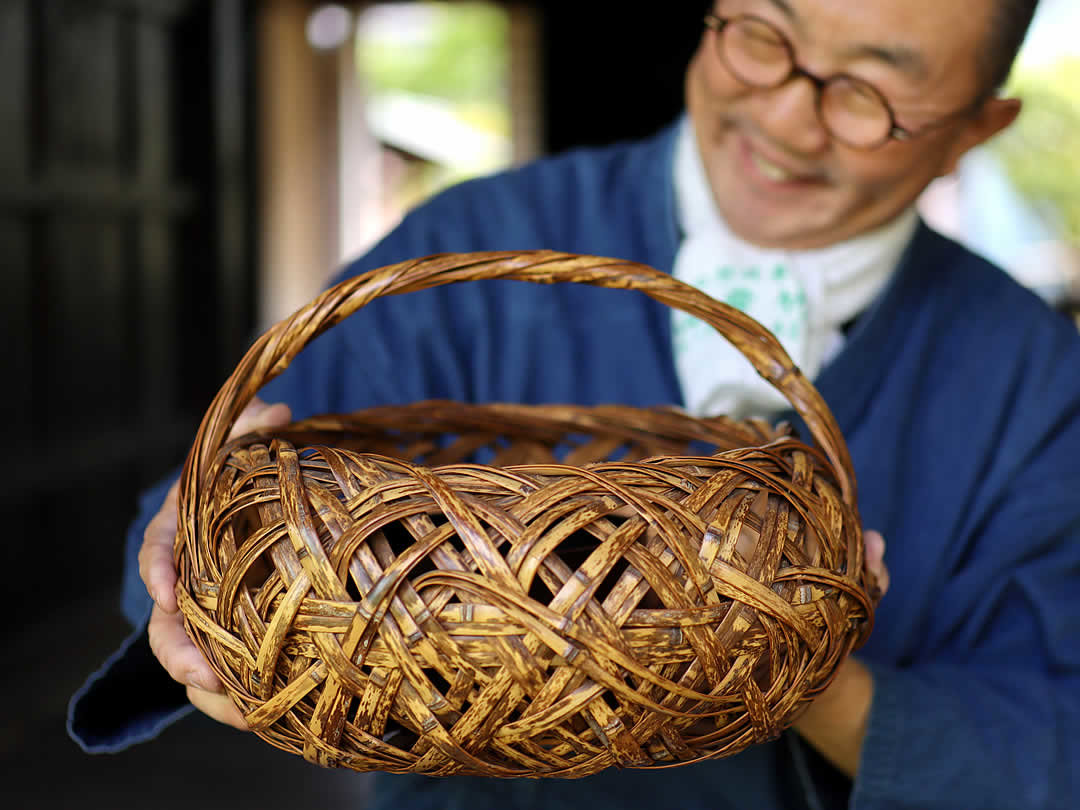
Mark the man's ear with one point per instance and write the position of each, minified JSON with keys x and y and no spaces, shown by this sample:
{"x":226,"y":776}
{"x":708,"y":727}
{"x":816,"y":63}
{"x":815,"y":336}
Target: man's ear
{"x":994,"y":115}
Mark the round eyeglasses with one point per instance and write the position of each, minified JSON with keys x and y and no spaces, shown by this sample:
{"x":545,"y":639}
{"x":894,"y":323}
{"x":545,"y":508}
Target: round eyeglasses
{"x":852,"y":111}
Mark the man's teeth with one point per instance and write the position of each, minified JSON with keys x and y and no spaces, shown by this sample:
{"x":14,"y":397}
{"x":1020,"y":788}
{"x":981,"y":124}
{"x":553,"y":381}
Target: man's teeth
{"x":771,"y":170}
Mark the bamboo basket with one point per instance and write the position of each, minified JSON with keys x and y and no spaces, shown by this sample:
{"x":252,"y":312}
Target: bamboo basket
{"x":600,"y":593}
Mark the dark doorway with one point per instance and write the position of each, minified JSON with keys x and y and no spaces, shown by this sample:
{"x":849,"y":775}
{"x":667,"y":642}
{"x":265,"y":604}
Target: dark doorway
{"x":126,"y":234}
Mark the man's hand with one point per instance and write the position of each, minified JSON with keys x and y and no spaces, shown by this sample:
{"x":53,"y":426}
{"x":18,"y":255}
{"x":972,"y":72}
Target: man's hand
{"x":168,"y":640}
{"x":835,"y":723}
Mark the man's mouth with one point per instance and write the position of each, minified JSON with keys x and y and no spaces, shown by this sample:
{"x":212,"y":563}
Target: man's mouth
{"x":773,"y":172}
{"x":776,"y":173}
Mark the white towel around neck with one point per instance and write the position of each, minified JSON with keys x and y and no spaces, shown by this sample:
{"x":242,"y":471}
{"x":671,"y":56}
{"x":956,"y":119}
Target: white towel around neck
{"x":803,"y":297}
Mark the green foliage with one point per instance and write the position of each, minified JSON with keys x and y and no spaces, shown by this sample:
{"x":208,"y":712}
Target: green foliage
{"x":1041,"y":151}
{"x":464,"y":59}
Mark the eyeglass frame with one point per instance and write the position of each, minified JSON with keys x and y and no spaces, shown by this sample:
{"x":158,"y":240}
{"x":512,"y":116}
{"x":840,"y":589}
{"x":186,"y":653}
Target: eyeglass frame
{"x":716,"y":24}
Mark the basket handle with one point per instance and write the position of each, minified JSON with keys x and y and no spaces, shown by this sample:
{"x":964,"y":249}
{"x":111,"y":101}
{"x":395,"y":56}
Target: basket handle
{"x":272,"y":353}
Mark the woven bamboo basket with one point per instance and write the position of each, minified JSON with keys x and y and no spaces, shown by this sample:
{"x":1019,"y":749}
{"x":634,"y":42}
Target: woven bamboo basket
{"x":602,"y":592}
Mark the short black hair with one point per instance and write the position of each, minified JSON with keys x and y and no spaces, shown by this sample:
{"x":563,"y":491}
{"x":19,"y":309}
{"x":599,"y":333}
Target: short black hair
{"x":1009,"y":22}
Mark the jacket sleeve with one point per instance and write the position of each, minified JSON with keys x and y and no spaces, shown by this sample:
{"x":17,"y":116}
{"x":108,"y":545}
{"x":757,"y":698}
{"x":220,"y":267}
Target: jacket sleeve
{"x":986,"y":715}
{"x":999,"y":728}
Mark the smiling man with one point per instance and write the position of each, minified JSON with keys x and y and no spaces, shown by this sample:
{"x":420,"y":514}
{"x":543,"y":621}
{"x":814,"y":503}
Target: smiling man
{"x":811,"y":127}
{"x":818,"y":121}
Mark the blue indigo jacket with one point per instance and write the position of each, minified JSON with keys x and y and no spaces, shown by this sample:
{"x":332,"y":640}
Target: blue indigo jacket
{"x":958,"y":392}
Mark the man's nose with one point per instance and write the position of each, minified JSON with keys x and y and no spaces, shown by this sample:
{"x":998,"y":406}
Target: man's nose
{"x":789,"y":115}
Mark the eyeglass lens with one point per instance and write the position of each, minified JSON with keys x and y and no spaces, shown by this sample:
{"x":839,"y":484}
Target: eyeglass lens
{"x":759,"y":55}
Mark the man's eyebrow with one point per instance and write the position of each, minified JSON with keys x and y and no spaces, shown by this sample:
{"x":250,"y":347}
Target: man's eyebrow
{"x":784,"y":8}
{"x":905,"y":59}
{"x":901,"y":57}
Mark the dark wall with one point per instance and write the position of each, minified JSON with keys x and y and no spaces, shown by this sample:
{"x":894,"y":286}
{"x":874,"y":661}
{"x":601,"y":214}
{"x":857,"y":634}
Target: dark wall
{"x":612,"y":71}
{"x":125,"y":236}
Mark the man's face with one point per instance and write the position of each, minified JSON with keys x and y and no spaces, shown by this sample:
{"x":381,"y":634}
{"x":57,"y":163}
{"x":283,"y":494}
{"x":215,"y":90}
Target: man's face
{"x":779,"y":178}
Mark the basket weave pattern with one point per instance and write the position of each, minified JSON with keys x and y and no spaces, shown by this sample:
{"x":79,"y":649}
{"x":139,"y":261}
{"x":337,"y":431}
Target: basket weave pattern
{"x":600,"y":591}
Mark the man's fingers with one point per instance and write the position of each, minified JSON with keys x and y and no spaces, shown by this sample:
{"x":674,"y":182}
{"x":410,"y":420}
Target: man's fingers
{"x":168,"y":641}
{"x":156,"y":567}
{"x":217,"y":706}
{"x":259,"y":415}
{"x":184,"y":663}
{"x":875,"y":559}
{"x":177,"y":654}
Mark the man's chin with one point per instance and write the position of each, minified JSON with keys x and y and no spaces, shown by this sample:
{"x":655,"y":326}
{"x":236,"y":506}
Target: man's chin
{"x":775,"y":231}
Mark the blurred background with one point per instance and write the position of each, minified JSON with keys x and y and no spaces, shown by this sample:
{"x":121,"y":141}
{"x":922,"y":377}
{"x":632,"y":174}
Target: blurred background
{"x":177,"y":175}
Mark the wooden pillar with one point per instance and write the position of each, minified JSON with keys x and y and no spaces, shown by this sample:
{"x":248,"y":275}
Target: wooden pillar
{"x":298,"y":145}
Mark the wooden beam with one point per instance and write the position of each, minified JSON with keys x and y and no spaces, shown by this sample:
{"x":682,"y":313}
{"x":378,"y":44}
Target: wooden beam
{"x":298,"y":126}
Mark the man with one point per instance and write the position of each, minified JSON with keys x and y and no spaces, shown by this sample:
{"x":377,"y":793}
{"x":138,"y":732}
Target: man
{"x":812,"y":127}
